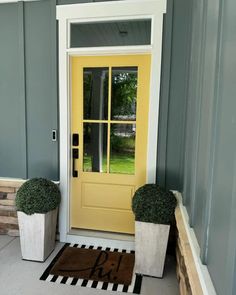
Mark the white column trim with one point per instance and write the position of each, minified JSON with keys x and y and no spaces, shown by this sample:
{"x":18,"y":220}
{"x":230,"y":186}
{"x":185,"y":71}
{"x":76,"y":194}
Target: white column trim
{"x":64,"y":132}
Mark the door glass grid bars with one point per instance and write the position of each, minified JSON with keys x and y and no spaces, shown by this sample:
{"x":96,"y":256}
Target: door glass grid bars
{"x":109,"y":110}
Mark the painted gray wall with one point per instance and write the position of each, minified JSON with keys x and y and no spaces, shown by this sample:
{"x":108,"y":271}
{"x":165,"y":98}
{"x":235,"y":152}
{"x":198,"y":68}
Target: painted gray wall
{"x":223,"y":210}
{"x":41,"y":87}
{"x":196,"y":142}
{"x":201,"y":122}
{"x":12,"y":100}
{"x":28,"y":90}
{"x":173,"y":94}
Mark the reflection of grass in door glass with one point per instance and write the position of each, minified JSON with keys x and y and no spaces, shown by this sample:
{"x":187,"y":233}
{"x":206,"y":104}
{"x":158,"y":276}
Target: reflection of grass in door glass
{"x":122,"y":164}
{"x":122,"y":154}
{"x":88,"y":164}
{"x":121,"y":157}
{"x":118,"y":164}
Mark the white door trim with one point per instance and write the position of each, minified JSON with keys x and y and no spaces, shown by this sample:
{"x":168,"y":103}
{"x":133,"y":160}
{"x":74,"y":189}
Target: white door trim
{"x":92,"y":12}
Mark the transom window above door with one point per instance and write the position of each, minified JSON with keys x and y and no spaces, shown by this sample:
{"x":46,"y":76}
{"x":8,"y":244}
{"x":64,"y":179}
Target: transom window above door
{"x":110,"y":33}
{"x":109,"y":119}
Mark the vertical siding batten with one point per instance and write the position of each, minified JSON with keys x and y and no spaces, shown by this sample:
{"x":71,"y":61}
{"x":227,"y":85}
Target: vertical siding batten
{"x":164,"y":95}
{"x":185,"y":144}
{"x":207,"y":128}
{"x":197,"y":208}
{"x":22,"y":90}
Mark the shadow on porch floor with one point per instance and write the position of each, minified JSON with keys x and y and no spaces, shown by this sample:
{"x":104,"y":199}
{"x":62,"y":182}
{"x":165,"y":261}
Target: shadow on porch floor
{"x":18,"y":277}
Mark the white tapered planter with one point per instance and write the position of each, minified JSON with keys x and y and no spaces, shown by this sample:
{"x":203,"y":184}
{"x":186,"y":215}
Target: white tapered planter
{"x":150,"y":248}
{"x":37,"y":234}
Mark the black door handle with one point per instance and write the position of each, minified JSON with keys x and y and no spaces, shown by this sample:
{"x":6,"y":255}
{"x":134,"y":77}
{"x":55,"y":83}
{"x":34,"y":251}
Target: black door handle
{"x":75,"y":155}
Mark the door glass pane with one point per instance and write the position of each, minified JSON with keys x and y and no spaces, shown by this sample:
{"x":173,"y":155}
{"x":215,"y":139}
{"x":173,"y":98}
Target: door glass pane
{"x":95,"y":147}
{"x":111,"y":33}
{"x":95,"y":93}
{"x":124,"y":93}
{"x":122,"y":154}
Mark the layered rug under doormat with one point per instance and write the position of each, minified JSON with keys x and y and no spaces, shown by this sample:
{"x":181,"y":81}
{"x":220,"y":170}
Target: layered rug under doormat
{"x":94,"y":267}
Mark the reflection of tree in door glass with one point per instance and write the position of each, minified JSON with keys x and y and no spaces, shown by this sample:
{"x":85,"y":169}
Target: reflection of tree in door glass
{"x":123,"y":109}
{"x":124,"y":93}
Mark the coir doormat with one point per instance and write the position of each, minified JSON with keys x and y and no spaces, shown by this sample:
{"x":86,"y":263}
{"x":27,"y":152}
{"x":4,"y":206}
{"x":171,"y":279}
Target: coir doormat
{"x":94,"y":267}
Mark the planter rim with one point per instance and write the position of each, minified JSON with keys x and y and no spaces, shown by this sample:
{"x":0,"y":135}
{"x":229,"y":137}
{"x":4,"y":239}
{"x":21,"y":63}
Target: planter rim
{"x":137,"y":221}
{"x":36,"y":213}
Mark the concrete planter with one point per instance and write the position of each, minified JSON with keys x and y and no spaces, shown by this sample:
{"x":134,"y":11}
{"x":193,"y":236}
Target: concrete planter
{"x":150,"y":248}
{"x":37,"y":234}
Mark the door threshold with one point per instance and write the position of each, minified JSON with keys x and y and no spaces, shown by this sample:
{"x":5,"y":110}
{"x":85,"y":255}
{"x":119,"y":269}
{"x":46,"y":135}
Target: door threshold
{"x":103,"y":239}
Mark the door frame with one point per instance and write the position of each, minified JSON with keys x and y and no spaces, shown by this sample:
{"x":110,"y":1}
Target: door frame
{"x":94,"y":12}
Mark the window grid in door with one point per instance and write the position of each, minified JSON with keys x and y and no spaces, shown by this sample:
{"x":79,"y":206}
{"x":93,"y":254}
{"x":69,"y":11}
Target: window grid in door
{"x":101,"y":120}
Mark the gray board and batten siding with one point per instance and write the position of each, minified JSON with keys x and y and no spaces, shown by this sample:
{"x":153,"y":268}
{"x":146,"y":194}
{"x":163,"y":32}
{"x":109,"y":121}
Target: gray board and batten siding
{"x":41,"y":87}
{"x":28,"y":90}
{"x":197,"y":127}
{"x":12,"y":99}
{"x":202,"y":114}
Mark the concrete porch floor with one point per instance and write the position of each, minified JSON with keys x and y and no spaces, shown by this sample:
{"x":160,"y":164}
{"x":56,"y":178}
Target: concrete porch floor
{"x":19,"y":277}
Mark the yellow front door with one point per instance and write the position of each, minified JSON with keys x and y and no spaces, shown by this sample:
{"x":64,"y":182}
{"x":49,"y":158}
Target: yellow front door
{"x":109,"y":123}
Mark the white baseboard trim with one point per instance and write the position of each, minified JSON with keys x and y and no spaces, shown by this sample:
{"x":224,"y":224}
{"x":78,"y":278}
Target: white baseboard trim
{"x":202,"y":270}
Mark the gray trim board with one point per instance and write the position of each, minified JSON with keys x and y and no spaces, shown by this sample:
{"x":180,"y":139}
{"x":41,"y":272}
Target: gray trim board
{"x":188,"y":41}
{"x":196,"y":96}
{"x":54,"y":95}
{"x":22,"y":90}
{"x":215,"y":117}
{"x":207,"y":132}
{"x":177,"y":94}
{"x":164,"y":95}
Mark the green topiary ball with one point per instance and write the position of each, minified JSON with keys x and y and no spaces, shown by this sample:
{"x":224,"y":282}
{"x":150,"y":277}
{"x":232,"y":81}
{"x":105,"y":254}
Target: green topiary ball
{"x":153,"y":204}
{"x":38,"y":195}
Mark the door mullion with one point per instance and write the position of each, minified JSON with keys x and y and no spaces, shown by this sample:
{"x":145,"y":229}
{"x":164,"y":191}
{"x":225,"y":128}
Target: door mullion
{"x":109,"y":121}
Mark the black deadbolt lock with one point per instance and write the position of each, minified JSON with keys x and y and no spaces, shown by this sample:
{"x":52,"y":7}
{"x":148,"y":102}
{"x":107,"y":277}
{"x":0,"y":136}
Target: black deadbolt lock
{"x":75,"y":139}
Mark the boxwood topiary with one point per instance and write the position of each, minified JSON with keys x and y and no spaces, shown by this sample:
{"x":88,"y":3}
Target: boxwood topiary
{"x":38,"y":195}
{"x":153,"y":204}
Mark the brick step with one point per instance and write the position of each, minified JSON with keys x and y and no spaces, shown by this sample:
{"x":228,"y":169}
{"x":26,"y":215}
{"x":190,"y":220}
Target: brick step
{"x":5,"y":228}
{"x":13,"y":233}
{"x":7,"y":208}
{"x":6,"y":202}
{"x":11,"y":183}
{"x":8,"y":220}
{"x":11,"y":196}
{"x":8,"y":213}
{"x":11,"y":230}
{"x":7,"y":189}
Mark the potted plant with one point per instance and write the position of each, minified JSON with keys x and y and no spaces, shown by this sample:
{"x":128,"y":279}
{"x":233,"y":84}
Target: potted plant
{"x":154,"y":209}
{"x":37,"y":202}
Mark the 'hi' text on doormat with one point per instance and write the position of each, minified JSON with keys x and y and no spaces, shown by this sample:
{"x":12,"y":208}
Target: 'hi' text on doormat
{"x":98,"y":265}
{"x":94,"y":267}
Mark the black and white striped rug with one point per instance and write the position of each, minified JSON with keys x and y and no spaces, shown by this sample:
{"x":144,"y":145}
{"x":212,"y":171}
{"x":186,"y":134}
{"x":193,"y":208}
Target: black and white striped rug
{"x":134,"y":287}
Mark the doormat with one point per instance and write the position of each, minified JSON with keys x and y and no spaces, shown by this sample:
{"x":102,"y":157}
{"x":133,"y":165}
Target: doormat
{"x":94,"y":267}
